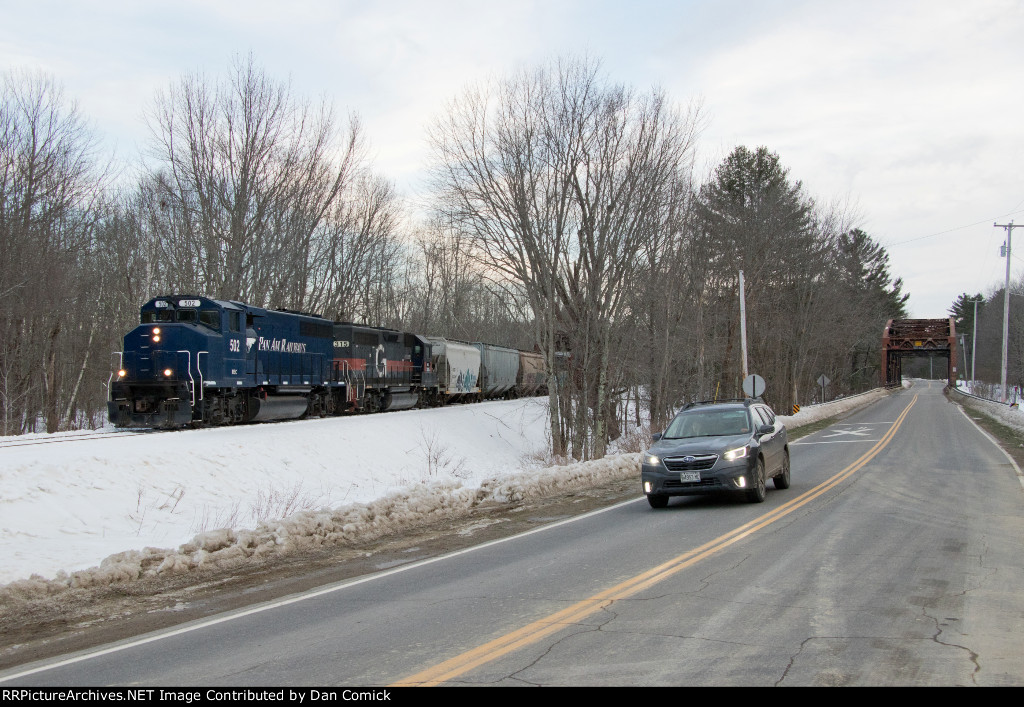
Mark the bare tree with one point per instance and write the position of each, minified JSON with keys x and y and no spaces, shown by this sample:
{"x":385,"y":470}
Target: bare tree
{"x":557,"y":175}
{"x":353,"y":252}
{"x":246,"y":176}
{"x":49,"y":191}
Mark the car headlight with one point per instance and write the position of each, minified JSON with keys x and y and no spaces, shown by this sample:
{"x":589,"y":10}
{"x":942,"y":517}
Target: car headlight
{"x":652,"y":459}
{"x":734,"y":454}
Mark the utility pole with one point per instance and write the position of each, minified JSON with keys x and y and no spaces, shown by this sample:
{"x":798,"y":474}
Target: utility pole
{"x":1008,"y":227}
{"x":974,"y":344}
{"x":743,"y":326}
{"x":963,"y":350}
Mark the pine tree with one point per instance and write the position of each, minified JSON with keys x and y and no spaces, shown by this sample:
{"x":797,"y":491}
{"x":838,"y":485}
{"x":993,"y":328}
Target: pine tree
{"x":962,"y":311}
{"x":865,"y":270}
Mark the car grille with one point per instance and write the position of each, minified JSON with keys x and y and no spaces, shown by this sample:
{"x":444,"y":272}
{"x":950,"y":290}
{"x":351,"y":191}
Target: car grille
{"x":699,"y":463}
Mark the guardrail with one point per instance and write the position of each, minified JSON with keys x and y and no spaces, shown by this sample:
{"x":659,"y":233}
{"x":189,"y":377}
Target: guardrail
{"x":845,"y":397}
{"x":978,"y":397}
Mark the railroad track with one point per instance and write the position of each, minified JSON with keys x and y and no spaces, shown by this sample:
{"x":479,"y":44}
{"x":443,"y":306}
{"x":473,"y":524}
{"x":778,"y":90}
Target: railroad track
{"x":82,"y":436}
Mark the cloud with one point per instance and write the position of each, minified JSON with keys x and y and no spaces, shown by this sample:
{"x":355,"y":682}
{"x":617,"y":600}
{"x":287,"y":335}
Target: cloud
{"x":911,"y":109}
{"x":907,"y":106}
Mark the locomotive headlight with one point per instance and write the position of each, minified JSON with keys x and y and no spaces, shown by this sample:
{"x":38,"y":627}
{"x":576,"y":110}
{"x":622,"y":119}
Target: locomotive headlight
{"x":122,"y":373}
{"x":156,"y":338}
{"x":168,"y":372}
{"x":156,"y":330}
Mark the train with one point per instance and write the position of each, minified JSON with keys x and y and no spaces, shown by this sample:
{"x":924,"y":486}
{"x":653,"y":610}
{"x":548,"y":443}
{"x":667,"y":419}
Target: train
{"x":197,"y":361}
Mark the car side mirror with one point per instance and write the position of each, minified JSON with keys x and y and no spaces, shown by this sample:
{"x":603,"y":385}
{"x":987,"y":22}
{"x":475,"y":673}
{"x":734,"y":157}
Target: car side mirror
{"x":656,"y":436}
{"x":765,"y":430}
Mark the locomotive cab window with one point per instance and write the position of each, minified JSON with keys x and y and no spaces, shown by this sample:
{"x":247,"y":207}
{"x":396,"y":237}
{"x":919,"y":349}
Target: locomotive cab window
{"x":210,"y":318}
{"x":235,"y":321}
{"x":186,"y":315}
{"x":162,"y":315}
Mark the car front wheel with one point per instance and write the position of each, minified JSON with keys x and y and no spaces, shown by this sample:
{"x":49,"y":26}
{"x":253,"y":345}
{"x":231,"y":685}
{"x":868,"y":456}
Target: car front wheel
{"x":657,"y":500}
{"x":758,"y":491}
{"x":782,"y":480}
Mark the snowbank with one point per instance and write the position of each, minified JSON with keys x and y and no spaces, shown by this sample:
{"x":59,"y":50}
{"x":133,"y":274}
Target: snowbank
{"x":816,"y":413}
{"x":1009,"y":416}
{"x":348,"y":525}
{"x":110,"y":508}
{"x":67,"y":503}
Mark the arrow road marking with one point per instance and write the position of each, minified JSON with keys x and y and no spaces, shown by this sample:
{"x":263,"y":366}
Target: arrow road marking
{"x":860,"y":432}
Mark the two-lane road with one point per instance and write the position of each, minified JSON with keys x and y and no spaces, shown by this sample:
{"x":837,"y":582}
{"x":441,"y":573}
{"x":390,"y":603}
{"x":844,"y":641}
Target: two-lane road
{"x":894,"y":559}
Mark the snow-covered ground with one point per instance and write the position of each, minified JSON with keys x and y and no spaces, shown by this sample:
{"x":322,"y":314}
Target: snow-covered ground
{"x":80,"y":512}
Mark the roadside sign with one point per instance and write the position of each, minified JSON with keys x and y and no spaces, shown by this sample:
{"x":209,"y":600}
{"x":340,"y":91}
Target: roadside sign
{"x":753,"y":386}
{"x":823,"y":380}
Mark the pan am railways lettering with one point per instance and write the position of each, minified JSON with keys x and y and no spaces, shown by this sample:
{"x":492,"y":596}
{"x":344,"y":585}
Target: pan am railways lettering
{"x":282,"y":345}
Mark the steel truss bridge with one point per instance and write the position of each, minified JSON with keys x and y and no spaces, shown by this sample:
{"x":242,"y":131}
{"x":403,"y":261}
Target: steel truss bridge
{"x":917,"y":337}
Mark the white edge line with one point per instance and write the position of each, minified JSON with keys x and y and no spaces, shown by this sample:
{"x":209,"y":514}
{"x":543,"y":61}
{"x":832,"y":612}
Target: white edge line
{"x":259,"y":608}
{"x":1016,"y":469}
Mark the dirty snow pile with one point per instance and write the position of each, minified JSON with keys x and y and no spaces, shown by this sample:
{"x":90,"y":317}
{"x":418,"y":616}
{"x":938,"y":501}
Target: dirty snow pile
{"x":116,"y":506}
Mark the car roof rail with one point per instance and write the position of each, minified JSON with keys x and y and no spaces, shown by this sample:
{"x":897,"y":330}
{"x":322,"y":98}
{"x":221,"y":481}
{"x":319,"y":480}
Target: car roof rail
{"x":745,"y":401}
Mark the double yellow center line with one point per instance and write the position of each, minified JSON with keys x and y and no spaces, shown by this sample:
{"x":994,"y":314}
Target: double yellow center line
{"x":533,"y":632}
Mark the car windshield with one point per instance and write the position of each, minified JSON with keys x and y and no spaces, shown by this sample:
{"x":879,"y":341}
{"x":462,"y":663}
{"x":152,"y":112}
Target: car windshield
{"x":708,"y":423}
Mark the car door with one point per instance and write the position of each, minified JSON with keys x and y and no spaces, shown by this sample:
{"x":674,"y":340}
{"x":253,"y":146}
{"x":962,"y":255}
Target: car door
{"x":772,"y":443}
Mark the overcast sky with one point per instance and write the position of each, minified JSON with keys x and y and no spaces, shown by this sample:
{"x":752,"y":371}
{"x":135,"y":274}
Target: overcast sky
{"x":911,"y":111}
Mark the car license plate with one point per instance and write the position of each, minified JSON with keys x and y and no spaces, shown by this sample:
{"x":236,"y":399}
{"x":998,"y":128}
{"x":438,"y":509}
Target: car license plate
{"x":689,"y":476}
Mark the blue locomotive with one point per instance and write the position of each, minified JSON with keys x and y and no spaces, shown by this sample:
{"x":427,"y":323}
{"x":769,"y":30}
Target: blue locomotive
{"x":199,"y":361}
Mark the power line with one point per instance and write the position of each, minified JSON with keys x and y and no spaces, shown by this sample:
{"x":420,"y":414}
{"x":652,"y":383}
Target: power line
{"x":951,"y":230}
